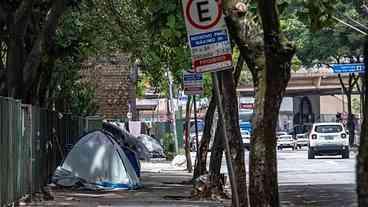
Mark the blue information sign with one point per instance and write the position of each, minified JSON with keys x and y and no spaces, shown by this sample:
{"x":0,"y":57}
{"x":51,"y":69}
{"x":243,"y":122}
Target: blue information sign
{"x":348,"y":68}
{"x":193,"y":77}
{"x":202,"y":39}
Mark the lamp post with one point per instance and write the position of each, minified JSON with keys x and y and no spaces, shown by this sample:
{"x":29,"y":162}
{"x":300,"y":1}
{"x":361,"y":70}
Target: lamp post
{"x":171,"y":111}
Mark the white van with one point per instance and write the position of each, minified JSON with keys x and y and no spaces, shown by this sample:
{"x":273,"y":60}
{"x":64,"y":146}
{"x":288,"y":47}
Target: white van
{"x":328,"y":139}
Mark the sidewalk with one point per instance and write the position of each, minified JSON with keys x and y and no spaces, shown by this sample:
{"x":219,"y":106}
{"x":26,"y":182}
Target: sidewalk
{"x":163,"y":187}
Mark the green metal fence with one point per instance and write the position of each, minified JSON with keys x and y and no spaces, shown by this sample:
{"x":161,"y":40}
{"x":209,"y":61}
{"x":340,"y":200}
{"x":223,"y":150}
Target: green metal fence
{"x":33,"y":142}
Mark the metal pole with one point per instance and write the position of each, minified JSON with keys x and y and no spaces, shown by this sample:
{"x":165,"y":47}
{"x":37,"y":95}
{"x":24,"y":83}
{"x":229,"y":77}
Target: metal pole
{"x":230,"y":168}
{"x":172,"y":111}
{"x":343,"y":99}
{"x":196,"y":123}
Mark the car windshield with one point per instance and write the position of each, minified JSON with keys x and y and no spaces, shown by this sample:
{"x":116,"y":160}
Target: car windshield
{"x":285,"y":137}
{"x":328,"y":129}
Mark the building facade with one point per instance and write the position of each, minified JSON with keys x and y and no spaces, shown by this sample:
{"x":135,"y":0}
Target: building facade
{"x":110,"y":76}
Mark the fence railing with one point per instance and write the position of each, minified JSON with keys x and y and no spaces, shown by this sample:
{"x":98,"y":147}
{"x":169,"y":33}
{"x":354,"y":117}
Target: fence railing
{"x":33,"y":142}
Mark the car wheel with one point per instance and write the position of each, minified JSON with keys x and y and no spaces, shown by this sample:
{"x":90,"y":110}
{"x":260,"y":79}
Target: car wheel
{"x":310,"y":154}
{"x":345,"y":154}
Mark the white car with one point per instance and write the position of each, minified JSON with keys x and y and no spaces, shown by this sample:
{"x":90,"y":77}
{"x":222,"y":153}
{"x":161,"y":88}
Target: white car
{"x":301,"y":140}
{"x":245,"y":138}
{"x":285,"y":141}
{"x":328,"y":139}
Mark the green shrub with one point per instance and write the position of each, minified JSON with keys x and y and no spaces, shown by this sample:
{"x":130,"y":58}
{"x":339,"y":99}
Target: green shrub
{"x":169,"y":145}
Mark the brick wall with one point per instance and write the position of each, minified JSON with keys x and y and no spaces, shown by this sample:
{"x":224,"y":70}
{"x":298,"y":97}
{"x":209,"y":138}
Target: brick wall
{"x":110,"y":77}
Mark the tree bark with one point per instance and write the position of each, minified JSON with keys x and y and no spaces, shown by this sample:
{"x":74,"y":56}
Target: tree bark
{"x":216,"y":186}
{"x":44,"y":40}
{"x":353,"y":81}
{"x":269,"y":93}
{"x":231,"y":120}
{"x":201,"y":164}
{"x":268,"y":55}
{"x":17,"y":26}
{"x":186,"y":133}
{"x":362,"y":159}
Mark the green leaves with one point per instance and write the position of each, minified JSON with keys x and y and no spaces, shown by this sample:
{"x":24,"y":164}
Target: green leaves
{"x":317,"y":14}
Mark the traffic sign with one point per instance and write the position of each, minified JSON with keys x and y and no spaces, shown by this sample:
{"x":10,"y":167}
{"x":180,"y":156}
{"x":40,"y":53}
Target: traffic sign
{"x":208,"y":36}
{"x":193,"y":83}
{"x":348,"y":68}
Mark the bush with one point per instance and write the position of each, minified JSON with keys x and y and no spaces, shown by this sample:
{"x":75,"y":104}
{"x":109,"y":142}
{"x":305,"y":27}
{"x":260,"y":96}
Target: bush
{"x":169,"y":145}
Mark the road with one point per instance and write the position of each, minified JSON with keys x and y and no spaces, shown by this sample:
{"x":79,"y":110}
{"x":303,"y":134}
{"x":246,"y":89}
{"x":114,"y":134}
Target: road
{"x":324,"y":181}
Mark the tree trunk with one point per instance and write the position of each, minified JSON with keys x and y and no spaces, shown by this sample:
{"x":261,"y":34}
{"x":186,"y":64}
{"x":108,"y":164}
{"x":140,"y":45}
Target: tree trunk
{"x":216,"y":184}
{"x":348,"y":91}
{"x":272,"y":82}
{"x":201,"y":164}
{"x":350,"y":122}
{"x":231,"y":120}
{"x":362,"y":162}
{"x":15,"y":58}
{"x":200,"y":168}
{"x":187,"y":131}
{"x":268,"y":55}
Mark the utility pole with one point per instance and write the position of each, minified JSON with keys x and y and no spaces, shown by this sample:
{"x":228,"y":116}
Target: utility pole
{"x":172,"y":111}
{"x":196,"y":123}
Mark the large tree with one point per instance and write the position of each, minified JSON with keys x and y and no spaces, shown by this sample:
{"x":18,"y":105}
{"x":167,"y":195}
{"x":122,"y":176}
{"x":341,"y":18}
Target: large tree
{"x":268,"y":55}
{"x":28,"y":34}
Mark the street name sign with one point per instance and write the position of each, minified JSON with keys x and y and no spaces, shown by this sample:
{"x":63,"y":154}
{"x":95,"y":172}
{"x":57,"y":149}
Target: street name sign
{"x":193,"y":83}
{"x":348,"y":68}
{"x":208,"y":36}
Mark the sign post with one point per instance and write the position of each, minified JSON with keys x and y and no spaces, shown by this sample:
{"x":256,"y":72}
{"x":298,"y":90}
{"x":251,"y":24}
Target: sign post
{"x":209,"y":41}
{"x":348,"y":68}
{"x":193,"y":85}
{"x":208,"y":36}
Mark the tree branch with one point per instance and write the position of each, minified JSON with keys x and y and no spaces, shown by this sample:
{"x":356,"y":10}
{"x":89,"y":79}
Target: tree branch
{"x":3,"y":13}
{"x":238,"y":69}
{"x":45,"y":38}
{"x":355,"y":81}
{"x":342,"y":84}
{"x":23,"y":11}
{"x":248,"y":36}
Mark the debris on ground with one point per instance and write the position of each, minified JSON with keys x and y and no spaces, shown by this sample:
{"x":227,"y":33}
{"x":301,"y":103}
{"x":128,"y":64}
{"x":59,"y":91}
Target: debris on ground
{"x":179,"y":161}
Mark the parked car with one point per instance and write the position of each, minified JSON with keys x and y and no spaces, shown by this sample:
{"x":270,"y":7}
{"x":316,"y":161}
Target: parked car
{"x":328,"y":139}
{"x":285,"y":141}
{"x":301,"y":140}
{"x":245,"y":138}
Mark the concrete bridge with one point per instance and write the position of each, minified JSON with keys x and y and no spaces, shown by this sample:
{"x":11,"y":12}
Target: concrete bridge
{"x":302,"y":84}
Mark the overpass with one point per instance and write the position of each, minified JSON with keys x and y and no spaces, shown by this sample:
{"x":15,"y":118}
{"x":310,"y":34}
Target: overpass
{"x":302,"y":84}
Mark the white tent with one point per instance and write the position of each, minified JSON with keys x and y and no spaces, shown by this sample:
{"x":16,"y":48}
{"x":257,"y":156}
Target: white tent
{"x":97,"y":161}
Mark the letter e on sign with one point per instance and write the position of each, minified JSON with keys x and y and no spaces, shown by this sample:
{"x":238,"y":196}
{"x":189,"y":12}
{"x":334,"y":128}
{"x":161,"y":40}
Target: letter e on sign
{"x":203,"y":14}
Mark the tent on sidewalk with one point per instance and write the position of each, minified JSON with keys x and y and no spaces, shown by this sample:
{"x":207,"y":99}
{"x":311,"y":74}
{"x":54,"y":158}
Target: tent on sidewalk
{"x":124,"y":138}
{"x":97,"y":162}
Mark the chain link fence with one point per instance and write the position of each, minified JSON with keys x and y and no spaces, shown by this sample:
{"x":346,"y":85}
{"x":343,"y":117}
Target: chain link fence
{"x":33,"y":142}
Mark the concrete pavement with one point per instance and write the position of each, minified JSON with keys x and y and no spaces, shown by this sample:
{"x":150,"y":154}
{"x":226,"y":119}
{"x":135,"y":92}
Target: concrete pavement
{"x":325,"y":181}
